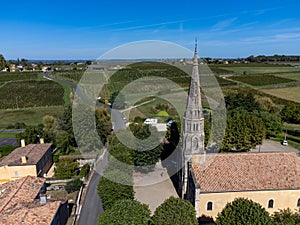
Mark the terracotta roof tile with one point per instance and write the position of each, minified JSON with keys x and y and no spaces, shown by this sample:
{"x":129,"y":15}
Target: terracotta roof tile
{"x":19,"y":206}
{"x":33,"y":152}
{"x":248,"y":171}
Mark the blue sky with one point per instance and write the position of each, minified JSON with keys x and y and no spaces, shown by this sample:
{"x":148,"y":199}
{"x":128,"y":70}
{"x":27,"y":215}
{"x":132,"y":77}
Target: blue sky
{"x":87,"y":29}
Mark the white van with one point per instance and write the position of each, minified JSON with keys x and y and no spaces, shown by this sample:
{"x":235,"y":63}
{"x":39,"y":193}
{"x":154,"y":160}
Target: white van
{"x":150,"y":121}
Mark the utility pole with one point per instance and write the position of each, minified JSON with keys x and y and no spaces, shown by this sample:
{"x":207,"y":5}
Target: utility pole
{"x":17,"y":102}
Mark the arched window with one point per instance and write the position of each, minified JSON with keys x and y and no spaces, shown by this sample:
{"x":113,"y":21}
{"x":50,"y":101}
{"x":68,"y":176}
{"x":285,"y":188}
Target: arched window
{"x":298,"y":203}
{"x":271,"y":204}
{"x":195,"y":144}
{"x":209,"y":206}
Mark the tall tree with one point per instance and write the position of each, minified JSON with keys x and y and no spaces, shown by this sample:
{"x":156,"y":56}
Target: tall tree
{"x":291,"y":113}
{"x":243,"y":211}
{"x":175,"y":211}
{"x":286,"y":217}
{"x":3,"y":62}
{"x":244,"y":131}
{"x":241,"y":102}
{"x":50,"y":128}
{"x":126,"y":212}
{"x":32,"y":134}
{"x":145,"y":160}
{"x":110,"y":192}
{"x":66,"y":168}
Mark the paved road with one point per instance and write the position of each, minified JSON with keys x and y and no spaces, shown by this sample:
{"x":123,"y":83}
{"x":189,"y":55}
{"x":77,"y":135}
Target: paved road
{"x":274,"y":146}
{"x":92,"y":206}
{"x":12,"y":131}
{"x":8,"y":142}
{"x":117,"y":117}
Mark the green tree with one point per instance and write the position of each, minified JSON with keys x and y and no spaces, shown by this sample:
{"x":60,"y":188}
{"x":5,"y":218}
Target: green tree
{"x":175,"y":211}
{"x":241,"y":102}
{"x":5,"y":150}
{"x":267,"y":104}
{"x":64,"y":123}
{"x":110,"y":192}
{"x":103,"y":123}
{"x":64,"y":142}
{"x":126,"y":212}
{"x":117,"y":100}
{"x":50,"y":128}
{"x":291,"y":113}
{"x":173,"y":138}
{"x":85,"y":170}
{"x":243,"y":211}
{"x":144,"y":159}
{"x":73,"y":185}
{"x":272,"y":122}
{"x":66,"y":168}
{"x":32,"y":134}
{"x":244,"y":131}
{"x":3,"y":63}
{"x":286,"y":217}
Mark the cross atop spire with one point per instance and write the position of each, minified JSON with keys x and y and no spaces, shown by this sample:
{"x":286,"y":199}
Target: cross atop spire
{"x":195,"y":53}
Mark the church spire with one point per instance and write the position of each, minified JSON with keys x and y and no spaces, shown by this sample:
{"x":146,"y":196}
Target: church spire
{"x":195,"y":51}
{"x":193,"y":121}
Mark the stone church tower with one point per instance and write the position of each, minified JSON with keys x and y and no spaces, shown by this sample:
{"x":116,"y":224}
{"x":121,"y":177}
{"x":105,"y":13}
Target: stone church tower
{"x":193,"y":124}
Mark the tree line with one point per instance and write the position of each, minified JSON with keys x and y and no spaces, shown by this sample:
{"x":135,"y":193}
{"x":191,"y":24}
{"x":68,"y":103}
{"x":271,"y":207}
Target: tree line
{"x":249,"y":122}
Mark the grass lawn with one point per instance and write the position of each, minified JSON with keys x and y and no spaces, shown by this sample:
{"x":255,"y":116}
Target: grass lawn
{"x":7,"y":135}
{"x":32,"y":116}
{"x":162,"y":113}
{"x":289,"y":93}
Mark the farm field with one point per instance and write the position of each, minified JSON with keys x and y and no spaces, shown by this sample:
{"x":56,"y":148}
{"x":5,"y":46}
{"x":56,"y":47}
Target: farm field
{"x":293,"y":76}
{"x":34,"y":96}
{"x":7,"y":76}
{"x":69,"y":75}
{"x":260,"y":70}
{"x":32,"y":116}
{"x":261,"y":80}
{"x":289,"y":93}
{"x":31,"y":94}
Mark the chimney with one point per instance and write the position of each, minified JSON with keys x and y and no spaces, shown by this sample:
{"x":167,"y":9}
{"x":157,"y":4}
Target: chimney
{"x":43,"y":199}
{"x":41,"y":140}
{"x":22,"y":142}
{"x":24,"y":159}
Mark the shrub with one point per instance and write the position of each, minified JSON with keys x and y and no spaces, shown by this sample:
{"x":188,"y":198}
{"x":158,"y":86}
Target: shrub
{"x":175,"y":211}
{"x":85,"y":170}
{"x":126,"y":212}
{"x":73,"y":185}
{"x":243,"y":211}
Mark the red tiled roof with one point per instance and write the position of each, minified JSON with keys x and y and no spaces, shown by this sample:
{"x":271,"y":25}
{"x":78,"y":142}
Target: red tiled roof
{"x":23,"y":190}
{"x":19,"y":206}
{"x":248,"y":171}
{"x":33,"y":152}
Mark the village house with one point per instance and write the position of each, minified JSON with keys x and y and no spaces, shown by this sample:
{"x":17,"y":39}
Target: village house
{"x":23,"y":201}
{"x":271,"y":179}
{"x":209,"y":181}
{"x":32,"y":159}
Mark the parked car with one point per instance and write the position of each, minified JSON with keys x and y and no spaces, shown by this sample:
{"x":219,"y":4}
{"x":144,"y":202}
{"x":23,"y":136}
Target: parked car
{"x":285,"y":143}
